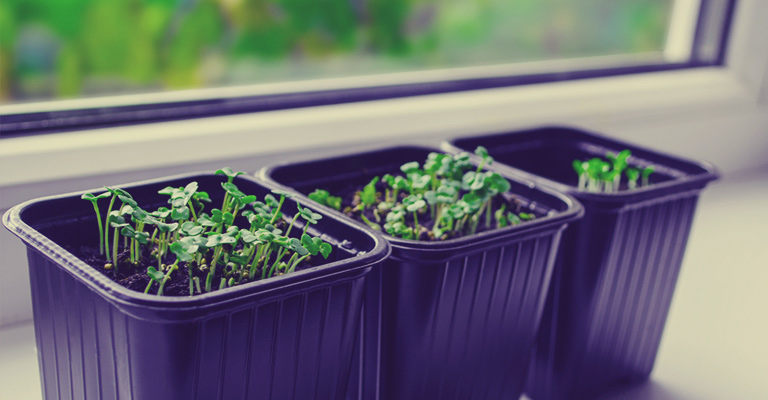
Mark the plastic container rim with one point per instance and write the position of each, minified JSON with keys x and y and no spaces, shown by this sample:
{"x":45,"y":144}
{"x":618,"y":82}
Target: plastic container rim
{"x":116,"y":293}
{"x":709,"y":173}
{"x":573,"y":211}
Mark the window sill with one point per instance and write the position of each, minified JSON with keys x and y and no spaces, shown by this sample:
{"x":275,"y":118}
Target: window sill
{"x":709,"y":92}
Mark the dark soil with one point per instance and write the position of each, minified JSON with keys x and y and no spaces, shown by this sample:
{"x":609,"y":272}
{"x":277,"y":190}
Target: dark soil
{"x":135,"y":277}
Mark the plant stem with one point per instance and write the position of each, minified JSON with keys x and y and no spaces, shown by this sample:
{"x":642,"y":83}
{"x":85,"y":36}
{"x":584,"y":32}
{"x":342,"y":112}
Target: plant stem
{"x":106,"y":231}
{"x":212,"y":270}
{"x":101,"y":228}
{"x":167,"y":277}
{"x":296,"y":263}
{"x":192,"y":210}
{"x":114,"y":250}
{"x":197,"y":285}
{"x":295,"y":217}
{"x":277,"y":211}
{"x":415,"y":225}
{"x":191,"y":277}
{"x":255,"y":262}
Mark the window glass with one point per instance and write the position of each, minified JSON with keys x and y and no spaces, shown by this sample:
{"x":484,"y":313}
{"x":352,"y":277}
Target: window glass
{"x":52,"y":49}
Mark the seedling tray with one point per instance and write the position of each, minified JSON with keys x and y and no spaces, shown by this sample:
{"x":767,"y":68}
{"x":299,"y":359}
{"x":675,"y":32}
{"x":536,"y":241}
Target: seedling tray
{"x":457,"y":318}
{"x":617,"y":267}
{"x":288,"y":337}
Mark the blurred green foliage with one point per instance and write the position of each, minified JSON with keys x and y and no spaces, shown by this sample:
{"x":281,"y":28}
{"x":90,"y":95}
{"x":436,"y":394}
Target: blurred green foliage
{"x":70,"y":48}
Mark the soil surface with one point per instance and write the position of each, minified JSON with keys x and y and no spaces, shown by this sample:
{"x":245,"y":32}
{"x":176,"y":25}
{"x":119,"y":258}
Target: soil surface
{"x":135,"y":277}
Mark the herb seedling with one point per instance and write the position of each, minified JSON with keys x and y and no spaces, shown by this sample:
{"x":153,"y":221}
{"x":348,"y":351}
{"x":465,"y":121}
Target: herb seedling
{"x":446,"y":197}
{"x":598,"y":175}
{"x":210,"y":246}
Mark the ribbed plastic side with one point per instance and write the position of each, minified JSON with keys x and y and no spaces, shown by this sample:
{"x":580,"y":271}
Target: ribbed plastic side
{"x":299,"y":346}
{"x":463,"y":329}
{"x":605,"y":319}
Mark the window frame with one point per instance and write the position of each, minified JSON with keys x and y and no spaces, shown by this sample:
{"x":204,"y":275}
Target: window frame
{"x":706,"y":47}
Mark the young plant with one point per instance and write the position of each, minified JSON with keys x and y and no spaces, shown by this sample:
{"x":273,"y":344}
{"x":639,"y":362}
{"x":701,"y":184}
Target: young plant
{"x":598,"y":175}
{"x":95,"y":201}
{"x":213,"y":246}
{"x":325,"y":198}
{"x":445,"y":197}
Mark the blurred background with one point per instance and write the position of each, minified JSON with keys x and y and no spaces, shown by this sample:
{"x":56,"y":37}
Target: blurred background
{"x":57,"y":49}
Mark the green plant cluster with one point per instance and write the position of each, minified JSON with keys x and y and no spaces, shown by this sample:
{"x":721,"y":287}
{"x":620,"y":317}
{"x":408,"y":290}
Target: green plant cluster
{"x":598,"y":175}
{"x":184,"y":235}
{"x":447,"y":190}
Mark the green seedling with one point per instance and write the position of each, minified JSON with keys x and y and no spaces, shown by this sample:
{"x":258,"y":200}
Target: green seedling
{"x":456,"y":197}
{"x":95,"y":201}
{"x":598,"y":175}
{"x":646,"y":173}
{"x":368,"y":195}
{"x":207,"y":244}
{"x":324,"y":198}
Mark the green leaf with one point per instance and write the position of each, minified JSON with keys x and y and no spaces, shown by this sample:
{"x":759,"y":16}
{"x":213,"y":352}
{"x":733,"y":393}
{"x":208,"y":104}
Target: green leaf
{"x":205,"y":220}
{"x":168,"y":190}
{"x":232,"y":189}
{"x":368,"y":194}
{"x":579,"y":166}
{"x":161,"y":212}
{"x":431,"y":197}
{"x":228,"y":218}
{"x":128,"y":231}
{"x":481,"y":151}
{"x":295,"y":245}
{"x":164,"y":227}
{"x":142,"y":237}
{"x":155,"y":275}
{"x":416,"y":205}
{"x":247,"y":200}
{"x":128,"y":200}
{"x":422,"y":182}
{"x":319,"y":195}
{"x":647,"y":171}
{"x":526,"y":216}
{"x":182,"y":252}
{"x":190,"y":189}
{"x":271,"y":201}
{"x":191,"y":229}
{"x":325,"y":250}
{"x":180,"y":213}
{"x":229,"y":173}
{"x":213,"y":240}
{"x":89,"y":196}
{"x":409,"y":167}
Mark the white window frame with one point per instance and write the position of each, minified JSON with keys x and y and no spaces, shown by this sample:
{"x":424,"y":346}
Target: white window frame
{"x":718,"y":114}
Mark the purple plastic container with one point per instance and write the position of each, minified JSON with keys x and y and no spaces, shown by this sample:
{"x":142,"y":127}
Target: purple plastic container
{"x":617,"y":267}
{"x":457,"y":318}
{"x":289,"y":337}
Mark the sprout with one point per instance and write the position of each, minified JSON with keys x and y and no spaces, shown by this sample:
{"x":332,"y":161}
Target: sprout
{"x":206,"y":243}
{"x":646,"y":173}
{"x":597,"y":175}
{"x":324,"y":198}
{"x":368,"y":195}
{"x":454,"y":193}
{"x":95,"y":201}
